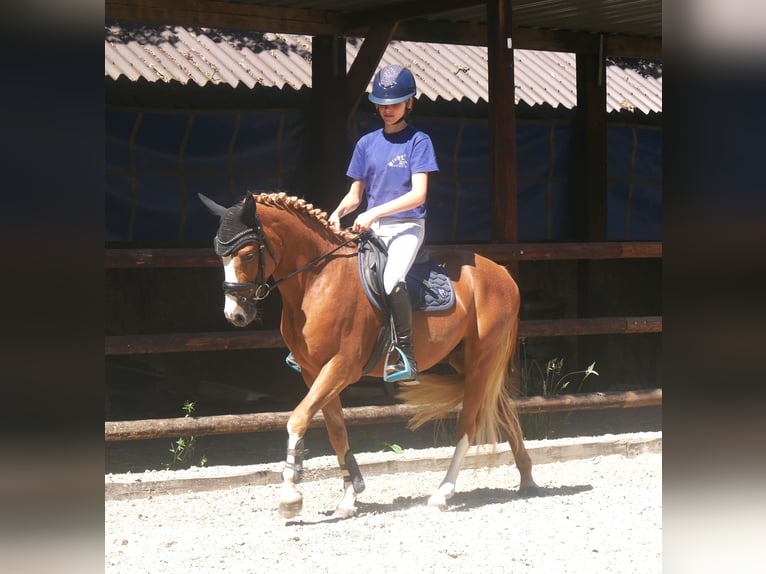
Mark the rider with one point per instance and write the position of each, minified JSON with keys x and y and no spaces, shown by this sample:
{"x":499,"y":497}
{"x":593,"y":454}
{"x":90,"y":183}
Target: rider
{"x":390,"y":168}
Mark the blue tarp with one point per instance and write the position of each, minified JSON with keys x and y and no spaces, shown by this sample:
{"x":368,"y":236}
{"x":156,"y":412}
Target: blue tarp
{"x":156,"y":163}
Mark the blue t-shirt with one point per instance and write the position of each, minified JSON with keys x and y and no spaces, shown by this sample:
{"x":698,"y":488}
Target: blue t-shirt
{"x":386,"y":162}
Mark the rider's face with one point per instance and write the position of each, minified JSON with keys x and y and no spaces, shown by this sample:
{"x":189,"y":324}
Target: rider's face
{"x":391,"y":114}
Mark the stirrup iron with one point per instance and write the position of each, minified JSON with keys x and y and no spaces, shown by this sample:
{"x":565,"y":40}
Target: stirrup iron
{"x":404,"y":374}
{"x":292,"y":363}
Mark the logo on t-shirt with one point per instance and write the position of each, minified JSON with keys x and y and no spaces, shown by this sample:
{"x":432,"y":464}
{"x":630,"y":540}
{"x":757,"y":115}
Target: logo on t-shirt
{"x":398,"y":161}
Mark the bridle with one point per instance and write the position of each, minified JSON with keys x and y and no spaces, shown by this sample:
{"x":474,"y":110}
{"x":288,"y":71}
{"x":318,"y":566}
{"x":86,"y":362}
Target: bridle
{"x":260,"y":287}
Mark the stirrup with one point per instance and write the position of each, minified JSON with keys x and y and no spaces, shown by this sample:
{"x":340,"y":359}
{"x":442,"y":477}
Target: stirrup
{"x":403,"y":375}
{"x":292,"y":363}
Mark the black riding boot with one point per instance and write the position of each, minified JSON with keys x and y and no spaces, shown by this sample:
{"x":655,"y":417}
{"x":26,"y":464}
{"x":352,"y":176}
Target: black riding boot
{"x":405,"y":368}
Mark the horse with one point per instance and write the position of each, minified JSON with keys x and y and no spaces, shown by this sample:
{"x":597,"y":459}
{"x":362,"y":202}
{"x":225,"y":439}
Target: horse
{"x":330,"y":327}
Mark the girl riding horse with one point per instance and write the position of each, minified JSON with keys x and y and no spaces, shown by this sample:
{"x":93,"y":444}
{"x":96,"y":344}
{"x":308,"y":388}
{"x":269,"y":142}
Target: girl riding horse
{"x":390,"y":169}
{"x":331,"y":327}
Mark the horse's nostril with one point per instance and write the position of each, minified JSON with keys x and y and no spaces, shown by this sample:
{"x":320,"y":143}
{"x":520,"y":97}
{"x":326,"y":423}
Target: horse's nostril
{"x":239,"y":319}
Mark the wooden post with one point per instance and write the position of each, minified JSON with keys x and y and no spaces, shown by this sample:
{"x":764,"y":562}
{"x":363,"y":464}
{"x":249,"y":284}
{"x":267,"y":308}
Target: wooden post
{"x":590,"y":147}
{"x":502,"y":123}
{"x":321,"y":171}
{"x":366,"y":62}
{"x":591,"y":199}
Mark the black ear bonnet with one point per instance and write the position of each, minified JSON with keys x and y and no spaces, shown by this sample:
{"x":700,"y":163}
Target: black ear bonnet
{"x":239,"y":226}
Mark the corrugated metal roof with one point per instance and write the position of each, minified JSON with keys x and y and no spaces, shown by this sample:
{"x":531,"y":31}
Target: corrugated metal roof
{"x":452,"y":72}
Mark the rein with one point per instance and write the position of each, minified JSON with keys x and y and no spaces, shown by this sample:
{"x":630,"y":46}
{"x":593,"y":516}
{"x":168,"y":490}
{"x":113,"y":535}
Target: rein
{"x":261,"y":289}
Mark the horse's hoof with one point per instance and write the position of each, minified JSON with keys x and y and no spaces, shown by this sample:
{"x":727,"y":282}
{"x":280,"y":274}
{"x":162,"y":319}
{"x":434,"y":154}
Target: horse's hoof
{"x":529,"y":491}
{"x":290,"y":509}
{"x":290,"y":503}
{"x":343,"y":512}
{"x":437,"y":501}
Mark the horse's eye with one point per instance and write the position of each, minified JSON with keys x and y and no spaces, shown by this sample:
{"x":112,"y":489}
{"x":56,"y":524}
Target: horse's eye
{"x":248,"y":256}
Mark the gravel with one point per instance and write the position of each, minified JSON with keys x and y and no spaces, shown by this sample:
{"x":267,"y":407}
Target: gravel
{"x":595,"y":515}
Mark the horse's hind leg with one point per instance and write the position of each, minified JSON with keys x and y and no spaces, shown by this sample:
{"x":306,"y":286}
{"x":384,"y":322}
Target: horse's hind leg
{"x":353,"y":483}
{"x":447,"y":488}
{"x":509,"y":423}
{"x":485,"y":374}
{"x":475,"y":387}
{"x":512,"y":430}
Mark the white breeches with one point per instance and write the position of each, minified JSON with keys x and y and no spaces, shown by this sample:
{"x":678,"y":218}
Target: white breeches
{"x":403,"y":238}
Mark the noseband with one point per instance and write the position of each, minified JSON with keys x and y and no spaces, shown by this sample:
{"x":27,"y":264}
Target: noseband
{"x":260,"y":287}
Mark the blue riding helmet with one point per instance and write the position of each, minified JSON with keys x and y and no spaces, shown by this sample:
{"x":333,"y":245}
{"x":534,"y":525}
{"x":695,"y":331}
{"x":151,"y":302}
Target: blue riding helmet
{"x":392,"y":84}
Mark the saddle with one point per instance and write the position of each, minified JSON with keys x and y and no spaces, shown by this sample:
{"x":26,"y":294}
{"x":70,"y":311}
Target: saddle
{"x":429,"y":288}
{"x":428,"y":285}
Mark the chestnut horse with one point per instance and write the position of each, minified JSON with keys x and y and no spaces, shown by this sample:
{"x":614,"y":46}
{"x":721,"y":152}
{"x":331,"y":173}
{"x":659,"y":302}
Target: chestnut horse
{"x":331,"y":327}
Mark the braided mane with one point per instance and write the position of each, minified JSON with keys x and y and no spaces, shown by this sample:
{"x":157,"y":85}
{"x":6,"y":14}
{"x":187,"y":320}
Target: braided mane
{"x":297,"y":205}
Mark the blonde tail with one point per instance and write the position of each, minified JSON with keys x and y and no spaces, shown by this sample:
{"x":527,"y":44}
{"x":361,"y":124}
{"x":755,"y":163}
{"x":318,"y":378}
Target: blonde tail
{"x":439,"y":396}
{"x":434,"y":396}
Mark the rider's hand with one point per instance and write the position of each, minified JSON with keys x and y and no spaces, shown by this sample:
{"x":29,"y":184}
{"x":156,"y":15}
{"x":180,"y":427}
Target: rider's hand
{"x":363,"y":221}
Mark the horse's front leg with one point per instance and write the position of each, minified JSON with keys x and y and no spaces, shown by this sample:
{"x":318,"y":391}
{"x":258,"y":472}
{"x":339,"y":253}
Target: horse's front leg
{"x":290,"y":498}
{"x":323,"y":393}
{"x":353,"y":483}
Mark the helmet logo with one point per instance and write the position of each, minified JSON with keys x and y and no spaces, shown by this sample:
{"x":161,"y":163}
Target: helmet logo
{"x":389,"y":75}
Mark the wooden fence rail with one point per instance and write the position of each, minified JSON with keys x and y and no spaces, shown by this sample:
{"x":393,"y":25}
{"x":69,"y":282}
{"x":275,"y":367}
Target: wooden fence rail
{"x":499,"y":252}
{"x":263,"y":422}
{"x":260,"y":422}
{"x":272,"y":339}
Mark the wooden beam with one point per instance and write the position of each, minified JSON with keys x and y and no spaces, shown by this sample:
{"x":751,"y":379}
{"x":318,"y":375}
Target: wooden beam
{"x":272,"y":339}
{"x":590,"y":198}
{"x":366,"y":62}
{"x":505,"y":252}
{"x":193,"y":342}
{"x":590,"y":326}
{"x":413,"y":28}
{"x":221,"y":14}
{"x":401,"y":11}
{"x":188,"y":257}
{"x":591,"y":146}
{"x":325,"y":158}
{"x":499,"y":252}
{"x":633,"y":47}
{"x":502,"y":123}
{"x":277,"y":421}
{"x":441,"y":32}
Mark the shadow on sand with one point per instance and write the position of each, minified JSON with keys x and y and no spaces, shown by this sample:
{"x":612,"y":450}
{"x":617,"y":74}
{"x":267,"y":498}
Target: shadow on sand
{"x":461,"y":502}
